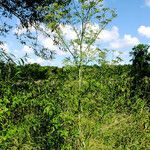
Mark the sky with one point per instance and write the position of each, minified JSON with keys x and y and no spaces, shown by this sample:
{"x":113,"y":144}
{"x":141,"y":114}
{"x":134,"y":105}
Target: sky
{"x":129,"y":28}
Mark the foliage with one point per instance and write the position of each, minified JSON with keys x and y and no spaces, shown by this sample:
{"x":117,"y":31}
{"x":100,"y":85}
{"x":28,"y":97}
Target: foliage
{"x":43,"y":114}
{"x":140,"y":71}
{"x":75,"y":107}
{"x":141,"y":59}
{"x":85,"y":20}
{"x":31,"y":15}
{"x":26,"y":11}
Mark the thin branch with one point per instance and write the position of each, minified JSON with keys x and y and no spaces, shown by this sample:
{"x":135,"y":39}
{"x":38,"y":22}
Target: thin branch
{"x":64,"y":43}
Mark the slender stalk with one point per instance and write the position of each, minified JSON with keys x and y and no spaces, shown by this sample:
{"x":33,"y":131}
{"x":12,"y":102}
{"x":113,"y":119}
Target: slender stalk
{"x":80,"y":87}
{"x":80,"y":74}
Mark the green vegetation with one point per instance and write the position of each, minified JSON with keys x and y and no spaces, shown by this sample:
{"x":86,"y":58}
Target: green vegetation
{"x":86,"y":20}
{"x":79,"y":106}
{"x":39,"y":108}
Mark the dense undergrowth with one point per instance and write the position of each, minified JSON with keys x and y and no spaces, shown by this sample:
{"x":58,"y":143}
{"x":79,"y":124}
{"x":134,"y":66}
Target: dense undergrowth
{"x":39,"y":109}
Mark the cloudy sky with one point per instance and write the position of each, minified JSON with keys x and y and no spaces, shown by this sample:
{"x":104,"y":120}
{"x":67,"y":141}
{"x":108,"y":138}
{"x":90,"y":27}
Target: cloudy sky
{"x":129,"y":28}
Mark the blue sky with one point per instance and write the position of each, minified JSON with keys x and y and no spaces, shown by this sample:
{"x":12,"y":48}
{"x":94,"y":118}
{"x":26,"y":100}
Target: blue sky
{"x":130,"y":27}
{"x":131,"y":14}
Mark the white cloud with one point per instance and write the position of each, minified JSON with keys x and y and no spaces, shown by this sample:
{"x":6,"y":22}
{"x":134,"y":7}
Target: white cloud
{"x":20,"y":30}
{"x":147,"y":2}
{"x":114,"y":41}
{"x":127,"y":41}
{"x":49,"y":43}
{"x":27,"y":49}
{"x":92,"y":26}
{"x":36,"y":60}
{"x":4,"y":47}
{"x":40,"y":60}
{"x":109,"y":35}
{"x":149,"y":50}
{"x":144,"y":30}
{"x":117,"y":53}
{"x":68,"y":32}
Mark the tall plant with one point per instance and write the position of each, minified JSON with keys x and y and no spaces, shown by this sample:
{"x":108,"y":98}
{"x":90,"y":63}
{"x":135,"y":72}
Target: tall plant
{"x":140,"y":70}
{"x":84,"y":20}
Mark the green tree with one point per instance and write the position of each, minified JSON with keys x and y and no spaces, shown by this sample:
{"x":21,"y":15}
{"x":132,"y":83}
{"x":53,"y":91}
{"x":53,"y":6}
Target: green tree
{"x":27,"y":11}
{"x":30,"y":14}
{"x":85,"y":20}
{"x":141,"y":59}
{"x":140,"y":71}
